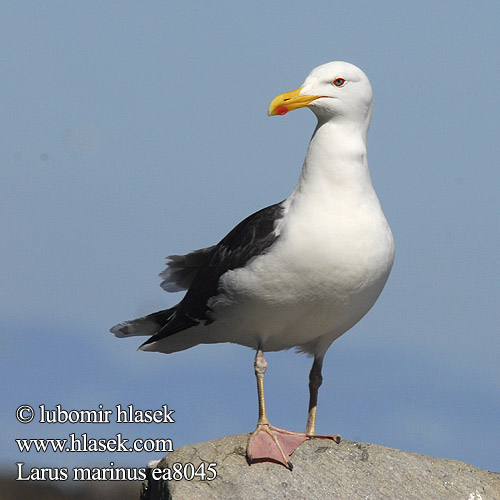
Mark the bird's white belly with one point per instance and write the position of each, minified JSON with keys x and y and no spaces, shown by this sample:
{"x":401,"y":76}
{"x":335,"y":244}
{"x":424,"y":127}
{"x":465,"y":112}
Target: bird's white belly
{"x":311,"y":288}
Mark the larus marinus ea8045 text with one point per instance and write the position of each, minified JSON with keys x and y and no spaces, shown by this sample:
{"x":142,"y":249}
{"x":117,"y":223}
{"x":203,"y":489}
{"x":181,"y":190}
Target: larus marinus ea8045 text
{"x":299,"y":273}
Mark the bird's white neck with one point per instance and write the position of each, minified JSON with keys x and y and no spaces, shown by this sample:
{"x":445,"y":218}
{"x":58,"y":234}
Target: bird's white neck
{"x":335,"y":163}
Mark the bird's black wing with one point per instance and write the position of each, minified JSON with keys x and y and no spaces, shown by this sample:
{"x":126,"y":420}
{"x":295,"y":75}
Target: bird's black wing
{"x":181,"y":269}
{"x":247,"y":240}
{"x":250,"y":238}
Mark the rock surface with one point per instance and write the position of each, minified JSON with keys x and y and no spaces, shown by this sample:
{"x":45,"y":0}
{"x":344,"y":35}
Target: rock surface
{"x":323,"y":470}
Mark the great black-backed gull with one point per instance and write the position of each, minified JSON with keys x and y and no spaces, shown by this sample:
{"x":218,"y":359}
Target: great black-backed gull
{"x":299,"y":273}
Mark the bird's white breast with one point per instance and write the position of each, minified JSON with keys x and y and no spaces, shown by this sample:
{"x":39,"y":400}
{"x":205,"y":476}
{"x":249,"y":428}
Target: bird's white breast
{"x":325,"y":272}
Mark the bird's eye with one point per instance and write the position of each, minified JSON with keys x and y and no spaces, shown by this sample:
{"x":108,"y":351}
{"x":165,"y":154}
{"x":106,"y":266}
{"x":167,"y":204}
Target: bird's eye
{"x":338,"y":82}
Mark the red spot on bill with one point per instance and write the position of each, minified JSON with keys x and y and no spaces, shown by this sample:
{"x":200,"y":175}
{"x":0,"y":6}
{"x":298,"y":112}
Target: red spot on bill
{"x":281,"y":110}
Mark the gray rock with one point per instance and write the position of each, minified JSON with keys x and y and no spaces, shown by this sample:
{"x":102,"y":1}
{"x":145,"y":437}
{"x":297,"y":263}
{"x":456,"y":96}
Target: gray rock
{"x":323,"y":470}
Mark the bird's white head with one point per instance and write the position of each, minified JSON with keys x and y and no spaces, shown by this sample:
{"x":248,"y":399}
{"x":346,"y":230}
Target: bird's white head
{"x":334,"y":91}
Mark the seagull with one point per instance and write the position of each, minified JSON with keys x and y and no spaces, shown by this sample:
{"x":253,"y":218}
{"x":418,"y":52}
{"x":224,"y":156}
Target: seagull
{"x":296,"y":274}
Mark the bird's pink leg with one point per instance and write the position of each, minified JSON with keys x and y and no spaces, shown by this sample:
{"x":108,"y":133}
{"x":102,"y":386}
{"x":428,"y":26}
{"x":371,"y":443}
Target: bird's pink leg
{"x":315,"y":381}
{"x":269,"y":443}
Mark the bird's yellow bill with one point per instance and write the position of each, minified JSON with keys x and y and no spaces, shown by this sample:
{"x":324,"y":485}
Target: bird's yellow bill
{"x":284,"y":103}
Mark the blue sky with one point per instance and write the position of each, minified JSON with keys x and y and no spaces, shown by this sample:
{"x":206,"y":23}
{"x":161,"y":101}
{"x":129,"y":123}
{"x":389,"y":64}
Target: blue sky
{"x":131,"y":131}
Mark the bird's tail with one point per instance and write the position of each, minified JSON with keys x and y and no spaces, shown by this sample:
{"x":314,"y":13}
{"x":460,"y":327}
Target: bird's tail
{"x":147,"y":325}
